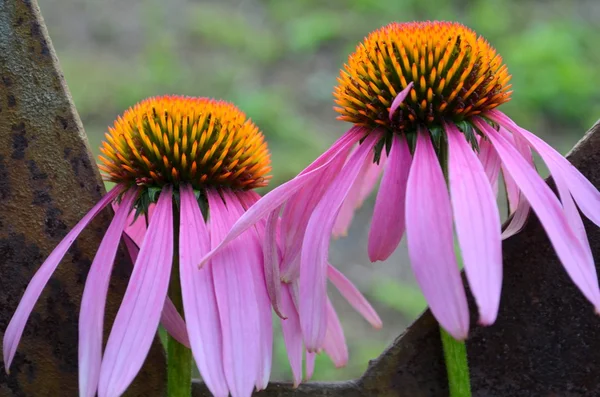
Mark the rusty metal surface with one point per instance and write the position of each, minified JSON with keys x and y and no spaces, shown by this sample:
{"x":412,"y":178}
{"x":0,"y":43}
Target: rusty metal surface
{"x":48,"y":181}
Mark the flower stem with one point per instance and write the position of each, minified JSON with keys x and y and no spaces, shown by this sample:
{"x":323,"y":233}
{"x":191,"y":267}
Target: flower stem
{"x":457,"y":366}
{"x":179,"y":357}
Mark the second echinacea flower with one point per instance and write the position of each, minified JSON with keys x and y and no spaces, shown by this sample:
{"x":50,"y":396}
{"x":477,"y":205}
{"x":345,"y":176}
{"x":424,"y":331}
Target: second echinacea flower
{"x":421,"y":97}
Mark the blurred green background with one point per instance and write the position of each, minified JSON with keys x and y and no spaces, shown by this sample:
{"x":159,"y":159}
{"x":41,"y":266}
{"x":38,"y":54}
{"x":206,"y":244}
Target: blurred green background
{"x":278,"y":61}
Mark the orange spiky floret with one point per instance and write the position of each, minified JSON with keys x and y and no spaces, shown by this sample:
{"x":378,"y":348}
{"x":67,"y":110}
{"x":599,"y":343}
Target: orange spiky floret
{"x":456,"y":74}
{"x":175,"y":139}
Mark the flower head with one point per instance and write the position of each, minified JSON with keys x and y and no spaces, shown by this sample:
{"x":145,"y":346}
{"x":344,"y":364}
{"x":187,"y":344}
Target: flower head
{"x":189,"y":165}
{"x":422,"y":99}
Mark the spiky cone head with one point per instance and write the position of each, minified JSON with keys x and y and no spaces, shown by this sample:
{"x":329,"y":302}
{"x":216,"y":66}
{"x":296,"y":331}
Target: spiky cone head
{"x":175,"y":139}
{"x":455,"y":75}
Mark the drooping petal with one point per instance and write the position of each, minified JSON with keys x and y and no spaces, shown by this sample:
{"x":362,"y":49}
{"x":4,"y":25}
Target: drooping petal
{"x":198,"y":293}
{"x":310,"y":365}
{"x":236,"y":300}
{"x":315,"y":249}
{"x":569,"y":249}
{"x":13,"y":332}
{"x":335,"y":341}
{"x":432,"y":255}
{"x":277,"y":197}
{"x":265,"y":318}
{"x":387,"y":226}
{"x":353,"y":296}
{"x":91,"y":315}
{"x":584,"y":193}
{"x":399,"y":99}
{"x":292,"y":334}
{"x":477,"y":223}
{"x":137,"y":320}
{"x":271,"y":263}
{"x":491,"y":163}
{"x":170,"y":318}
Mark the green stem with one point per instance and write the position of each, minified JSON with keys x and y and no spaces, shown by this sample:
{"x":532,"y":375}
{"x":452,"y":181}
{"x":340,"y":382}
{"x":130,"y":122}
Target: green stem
{"x":179,"y":357}
{"x":457,"y":367}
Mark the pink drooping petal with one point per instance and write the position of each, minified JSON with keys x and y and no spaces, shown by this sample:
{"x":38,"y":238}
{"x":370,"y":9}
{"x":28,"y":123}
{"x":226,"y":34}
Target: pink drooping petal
{"x":491,"y":163}
{"x":569,"y":249}
{"x":387,"y":226}
{"x":353,"y":296}
{"x":355,"y":196}
{"x":399,"y":99}
{"x":513,"y":195}
{"x":13,"y":332}
{"x":430,"y":240}
{"x":253,"y":249}
{"x":299,"y":208}
{"x":137,"y":320}
{"x":335,"y":341}
{"x":292,"y":334}
{"x":310,"y":365}
{"x":315,"y":249}
{"x":584,"y":193}
{"x":271,"y":263}
{"x":198,"y":293}
{"x":170,"y":318}
{"x":236,"y":300}
{"x":477,"y":222}
{"x":91,"y":315}
{"x":274,"y":199}
{"x":519,"y":218}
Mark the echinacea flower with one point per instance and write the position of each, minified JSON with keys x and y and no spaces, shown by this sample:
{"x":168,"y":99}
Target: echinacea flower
{"x":423,"y":96}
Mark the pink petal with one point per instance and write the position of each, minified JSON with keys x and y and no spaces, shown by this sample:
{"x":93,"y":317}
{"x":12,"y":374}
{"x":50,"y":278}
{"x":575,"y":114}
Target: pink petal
{"x":13,"y":332}
{"x":512,"y":191}
{"x":491,"y":163}
{"x":91,"y":315}
{"x":399,"y":99}
{"x":387,"y":226}
{"x":198,"y":293}
{"x":310,"y":365}
{"x":292,"y":334}
{"x":265,"y":319}
{"x":335,"y":342}
{"x":434,"y":264}
{"x":275,"y":198}
{"x":477,"y":224}
{"x":584,"y":193}
{"x":137,"y":320}
{"x":549,"y":211}
{"x":315,"y":249}
{"x":353,"y":296}
{"x":271,"y":263}
{"x":519,"y":218}
{"x":236,"y":300}
{"x":170,"y":318}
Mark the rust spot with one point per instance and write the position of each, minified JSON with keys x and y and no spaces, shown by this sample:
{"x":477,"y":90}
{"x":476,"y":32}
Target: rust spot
{"x":12,"y":101}
{"x":54,"y":226}
{"x":7,"y":81}
{"x":4,"y":182}
{"x":34,"y":171}
{"x":63,"y":122}
{"x":19,"y":141}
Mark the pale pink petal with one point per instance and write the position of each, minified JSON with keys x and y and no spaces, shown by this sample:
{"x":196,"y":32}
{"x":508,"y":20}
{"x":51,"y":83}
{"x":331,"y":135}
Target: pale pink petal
{"x":271,"y":263}
{"x":170,"y":318}
{"x":310,"y":365}
{"x":569,"y":249}
{"x":491,"y":163}
{"x":477,"y":223}
{"x":513,"y":195}
{"x":315,"y":249}
{"x":335,"y":341}
{"x":13,"y":332}
{"x":387,"y":226}
{"x":518,"y":219}
{"x":584,"y":193}
{"x":275,"y":198}
{"x":430,"y":240}
{"x":353,"y":296}
{"x":399,"y":99}
{"x":265,"y":318}
{"x":371,"y":178}
{"x":292,"y":334}
{"x":236,"y":300}
{"x":198,"y":293}
{"x":137,"y":320}
{"x":91,"y":315}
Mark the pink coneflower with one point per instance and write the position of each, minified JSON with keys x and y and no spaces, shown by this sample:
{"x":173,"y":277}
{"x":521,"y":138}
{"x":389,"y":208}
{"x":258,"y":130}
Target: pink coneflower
{"x":421,"y":96}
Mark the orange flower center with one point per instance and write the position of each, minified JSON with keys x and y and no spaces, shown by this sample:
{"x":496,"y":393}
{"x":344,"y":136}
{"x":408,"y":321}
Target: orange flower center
{"x":173,"y":140}
{"x":456,"y":74}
